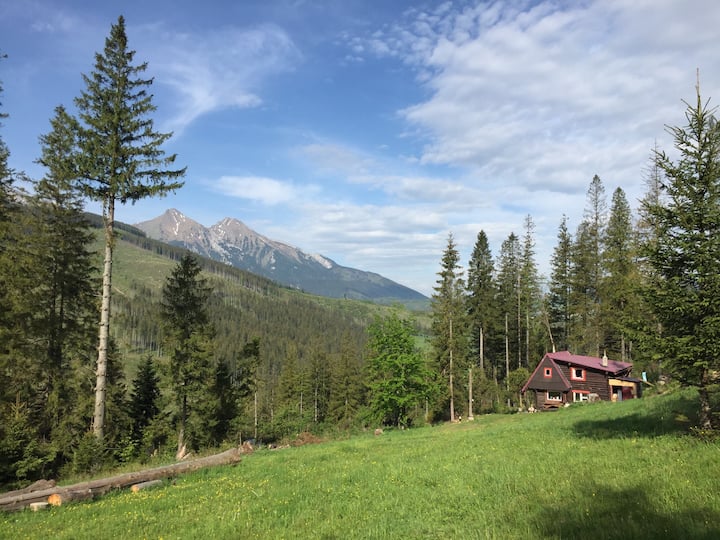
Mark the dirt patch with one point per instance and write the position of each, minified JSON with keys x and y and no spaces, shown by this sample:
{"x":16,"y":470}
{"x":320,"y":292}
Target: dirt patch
{"x":306,"y":438}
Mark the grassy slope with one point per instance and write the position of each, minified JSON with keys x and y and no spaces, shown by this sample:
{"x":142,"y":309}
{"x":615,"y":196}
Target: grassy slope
{"x":600,"y":471}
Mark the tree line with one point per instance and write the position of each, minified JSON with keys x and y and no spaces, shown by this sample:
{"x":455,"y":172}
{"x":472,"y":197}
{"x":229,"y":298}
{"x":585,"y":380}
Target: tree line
{"x":216,"y":354}
{"x":644,"y":290}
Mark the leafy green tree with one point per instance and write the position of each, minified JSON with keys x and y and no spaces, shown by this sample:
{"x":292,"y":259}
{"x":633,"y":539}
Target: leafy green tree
{"x":558,"y":298}
{"x":188,"y":336}
{"x":449,"y":324}
{"x":398,"y":377}
{"x":684,"y":285}
{"x":120,"y":159}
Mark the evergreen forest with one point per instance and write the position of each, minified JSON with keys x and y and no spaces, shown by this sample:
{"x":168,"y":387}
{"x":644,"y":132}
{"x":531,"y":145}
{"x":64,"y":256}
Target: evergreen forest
{"x":116,"y":348}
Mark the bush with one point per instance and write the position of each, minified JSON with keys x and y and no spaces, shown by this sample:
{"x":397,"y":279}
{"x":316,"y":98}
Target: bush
{"x":89,"y":456}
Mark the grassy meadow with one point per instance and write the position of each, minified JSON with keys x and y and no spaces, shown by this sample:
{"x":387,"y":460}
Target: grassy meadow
{"x":603,"y":470}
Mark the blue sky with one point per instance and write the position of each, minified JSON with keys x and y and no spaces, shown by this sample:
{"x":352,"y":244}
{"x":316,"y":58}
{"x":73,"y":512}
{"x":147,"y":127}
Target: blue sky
{"x":368,"y":131}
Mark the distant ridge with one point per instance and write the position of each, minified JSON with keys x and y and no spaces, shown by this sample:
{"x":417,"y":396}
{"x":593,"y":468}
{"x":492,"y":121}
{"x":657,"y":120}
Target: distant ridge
{"x":232,"y":242}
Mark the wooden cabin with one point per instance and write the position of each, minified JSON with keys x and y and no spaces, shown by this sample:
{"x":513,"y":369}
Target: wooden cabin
{"x":563,"y":377}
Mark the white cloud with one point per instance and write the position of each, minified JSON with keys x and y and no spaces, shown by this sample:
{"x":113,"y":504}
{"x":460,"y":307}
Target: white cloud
{"x":262,"y":190}
{"x":222,"y":69}
{"x":529,"y":100}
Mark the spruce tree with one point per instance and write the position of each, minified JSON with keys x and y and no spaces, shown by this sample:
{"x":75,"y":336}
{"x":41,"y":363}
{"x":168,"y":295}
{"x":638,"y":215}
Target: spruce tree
{"x":618,"y":284}
{"x":684,"y":284}
{"x":558,"y":298}
{"x":529,"y":298}
{"x":481,"y":302}
{"x":346,"y":384}
{"x":449,"y":324}
{"x":61,"y":297}
{"x":120,"y":159}
{"x":188,"y":338}
{"x":587,"y":273}
{"x":144,"y":399}
{"x":508,"y":282}
{"x":7,"y":208}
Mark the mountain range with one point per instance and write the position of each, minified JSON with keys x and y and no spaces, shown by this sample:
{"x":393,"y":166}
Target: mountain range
{"x":232,"y":242}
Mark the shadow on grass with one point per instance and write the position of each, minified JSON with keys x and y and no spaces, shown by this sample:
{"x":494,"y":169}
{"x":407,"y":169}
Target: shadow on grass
{"x":605,"y":513}
{"x":662,"y":416}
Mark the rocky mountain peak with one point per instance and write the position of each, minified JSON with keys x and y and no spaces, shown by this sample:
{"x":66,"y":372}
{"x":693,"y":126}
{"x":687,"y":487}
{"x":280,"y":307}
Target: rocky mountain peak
{"x":234,"y":243}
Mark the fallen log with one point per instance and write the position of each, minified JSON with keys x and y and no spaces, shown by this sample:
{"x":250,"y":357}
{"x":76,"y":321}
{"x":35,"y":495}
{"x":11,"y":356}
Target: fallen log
{"x":87,"y":490}
{"x":144,"y":485}
{"x":35,"y":486}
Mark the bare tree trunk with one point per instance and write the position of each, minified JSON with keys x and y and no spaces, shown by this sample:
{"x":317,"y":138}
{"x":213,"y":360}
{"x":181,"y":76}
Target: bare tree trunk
{"x":527,"y":339}
{"x":519,"y":327}
{"x":706,"y":418}
{"x":101,"y":373}
{"x":482,"y":352}
{"x":255,"y":407}
{"x":452,"y":391}
{"x":182,"y":448}
{"x":470,"y":394}
{"x":507,"y":355}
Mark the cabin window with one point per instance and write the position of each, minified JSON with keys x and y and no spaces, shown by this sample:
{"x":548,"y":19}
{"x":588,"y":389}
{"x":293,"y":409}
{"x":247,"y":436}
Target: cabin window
{"x":548,"y":373}
{"x":554,"y":396}
{"x":577,"y":374}
{"x":579,"y":396}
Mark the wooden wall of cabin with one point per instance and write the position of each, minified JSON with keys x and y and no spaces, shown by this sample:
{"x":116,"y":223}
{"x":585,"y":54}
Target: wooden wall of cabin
{"x":595,"y":382}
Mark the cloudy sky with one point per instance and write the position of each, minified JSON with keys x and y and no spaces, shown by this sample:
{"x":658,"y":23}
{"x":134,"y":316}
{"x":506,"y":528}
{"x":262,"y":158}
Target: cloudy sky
{"x":368,"y":130}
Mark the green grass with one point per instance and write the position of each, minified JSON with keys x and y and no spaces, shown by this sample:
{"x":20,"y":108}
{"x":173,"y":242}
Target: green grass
{"x":602,"y":471}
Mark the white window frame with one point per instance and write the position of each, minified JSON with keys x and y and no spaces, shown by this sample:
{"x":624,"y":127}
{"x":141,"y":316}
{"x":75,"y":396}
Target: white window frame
{"x":549,"y":398}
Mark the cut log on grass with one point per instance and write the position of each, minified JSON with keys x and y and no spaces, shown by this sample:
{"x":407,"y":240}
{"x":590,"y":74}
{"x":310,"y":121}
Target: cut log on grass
{"x":73,"y":495}
{"x":35,"y":486}
{"x":144,"y":485}
{"x":87,"y":490}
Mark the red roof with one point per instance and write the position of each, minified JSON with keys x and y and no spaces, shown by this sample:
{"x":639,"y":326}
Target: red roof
{"x":592,"y":362}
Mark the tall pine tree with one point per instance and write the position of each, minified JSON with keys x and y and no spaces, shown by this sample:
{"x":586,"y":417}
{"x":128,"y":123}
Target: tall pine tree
{"x":120,"y":159}
{"x":586,"y":335}
{"x":481,"y":302}
{"x":188,"y":337}
{"x":62,"y":295}
{"x":619,"y":301}
{"x":449,"y":325}
{"x":558,"y":297}
{"x":529,"y":298}
{"x":684,"y":284}
{"x":508,"y":282}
